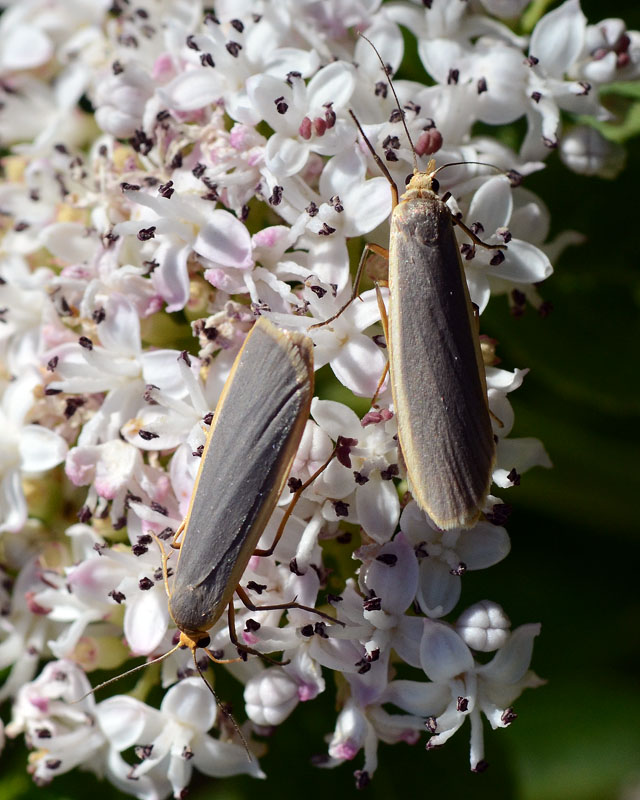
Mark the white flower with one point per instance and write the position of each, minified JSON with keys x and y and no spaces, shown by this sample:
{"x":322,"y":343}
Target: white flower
{"x":173,"y":740}
{"x":445,"y":556}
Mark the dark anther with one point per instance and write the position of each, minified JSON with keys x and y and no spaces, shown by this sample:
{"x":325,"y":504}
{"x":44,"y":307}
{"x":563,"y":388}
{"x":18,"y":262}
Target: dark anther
{"x":462,"y":704}
{"x":144,"y":234}
{"x":372,"y":604}
{"x":360,"y":478}
{"x":233,"y":48}
{"x":390,"y":472}
{"x":362,"y":778}
{"x":85,"y":341}
{"x":251,"y":626}
{"x":514,"y":477}
{"x":341,"y":508}
{"x":497,"y":258}
{"x":294,"y":484}
{"x":343,"y":450}
{"x":148,"y":435}
{"x":388,"y":559}
{"x":258,"y":588}
{"x":119,"y":597}
{"x":276,"y":196}
{"x":326,"y":230}
{"x":145,"y":584}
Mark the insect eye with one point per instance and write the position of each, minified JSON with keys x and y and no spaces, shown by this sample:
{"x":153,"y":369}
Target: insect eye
{"x":205,"y":641}
{"x":435,"y":185}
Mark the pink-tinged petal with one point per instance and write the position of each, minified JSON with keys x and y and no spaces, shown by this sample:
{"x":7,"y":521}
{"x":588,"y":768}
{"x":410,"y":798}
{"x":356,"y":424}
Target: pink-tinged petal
{"x":359,"y":365}
{"x":336,"y":419}
{"x":332,"y":84}
{"x":286,"y":156}
{"x":393,"y":575}
{"x":118,"y":461}
{"x":225,"y":241}
{"x":81,"y":464}
{"x":558,"y":38}
{"x":125,"y":721}
{"x":41,"y":448}
{"x":512,"y":661}
{"x":171,"y":278}
{"x":484,"y":546}
{"x":192,"y":702}
{"x":145,"y":620}
{"x":443,"y":654}
{"x":13,"y":506}
{"x":439,"y":590}
{"x":492,"y":205}
{"x":378,"y":509}
{"x":92,"y":580}
{"x":523,"y":263}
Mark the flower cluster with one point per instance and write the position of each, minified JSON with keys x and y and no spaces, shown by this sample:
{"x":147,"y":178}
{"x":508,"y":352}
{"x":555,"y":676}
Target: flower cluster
{"x":172,"y":170}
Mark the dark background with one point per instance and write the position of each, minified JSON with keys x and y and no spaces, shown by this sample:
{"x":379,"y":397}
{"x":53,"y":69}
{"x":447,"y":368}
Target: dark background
{"x":574,"y":533}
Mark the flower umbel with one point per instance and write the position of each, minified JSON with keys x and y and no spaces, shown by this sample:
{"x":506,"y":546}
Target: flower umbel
{"x":171,"y":172}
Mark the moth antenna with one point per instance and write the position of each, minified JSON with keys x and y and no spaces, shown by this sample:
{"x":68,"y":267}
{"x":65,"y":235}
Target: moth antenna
{"x":390,"y":82}
{"x":223,"y":710}
{"x":129,"y":672}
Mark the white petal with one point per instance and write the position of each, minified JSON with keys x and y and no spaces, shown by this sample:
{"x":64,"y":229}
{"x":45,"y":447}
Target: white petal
{"x":286,"y":156}
{"x":336,"y":419}
{"x":378,"y":508}
{"x":190,"y":90}
{"x":523,"y":263}
{"x":359,"y":365}
{"x":332,"y":84}
{"x":439,"y":590}
{"x":191,"y":701}
{"x":443,"y":654}
{"x":145,"y":620}
{"x":484,"y":546}
{"x":512,"y":661}
{"x":221,"y":759}
{"x":422,"y":699}
{"x":41,"y":448}
{"x":492,"y":204}
{"x":396,"y":583}
{"x":225,"y":240}
{"x":558,"y":37}
{"x":123,"y":720}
